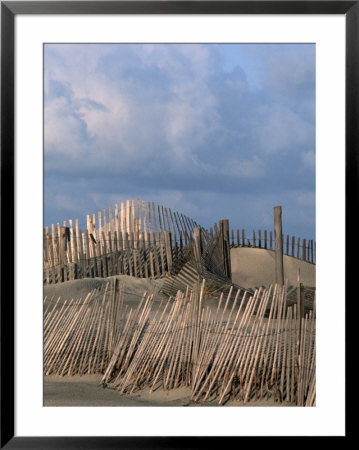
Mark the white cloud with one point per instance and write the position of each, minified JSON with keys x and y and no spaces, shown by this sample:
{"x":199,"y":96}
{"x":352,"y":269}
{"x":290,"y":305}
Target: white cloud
{"x":168,"y":116}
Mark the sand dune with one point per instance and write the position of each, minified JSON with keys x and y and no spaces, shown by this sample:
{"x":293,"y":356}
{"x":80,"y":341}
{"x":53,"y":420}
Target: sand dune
{"x":255,"y":267}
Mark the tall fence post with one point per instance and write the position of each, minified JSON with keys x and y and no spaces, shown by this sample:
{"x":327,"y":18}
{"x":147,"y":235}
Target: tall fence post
{"x":225,"y":248}
{"x":279,"y":272}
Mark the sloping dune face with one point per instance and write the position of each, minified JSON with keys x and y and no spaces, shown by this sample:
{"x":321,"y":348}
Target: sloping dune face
{"x":254,"y":267}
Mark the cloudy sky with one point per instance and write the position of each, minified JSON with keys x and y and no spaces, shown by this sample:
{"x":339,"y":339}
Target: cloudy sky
{"x":211,"y":131}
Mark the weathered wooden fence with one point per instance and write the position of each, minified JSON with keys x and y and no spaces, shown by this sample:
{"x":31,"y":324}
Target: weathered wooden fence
{"x":304,"y":249}
{"x":249,"y":346}
{"x":148,"y":241}
{"x":138,"y":238}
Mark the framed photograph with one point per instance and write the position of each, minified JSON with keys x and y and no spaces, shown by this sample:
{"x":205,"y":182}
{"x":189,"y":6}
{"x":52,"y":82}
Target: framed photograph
{"x":194,"y":309}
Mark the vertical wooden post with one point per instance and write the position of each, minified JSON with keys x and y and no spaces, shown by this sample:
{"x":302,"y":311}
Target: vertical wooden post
{"x":225,"y":249}
{"x":197,"y":248}
{"x":168,"y":247}
{"x":265,"y":239}
{"x":279,"y":273}
{"x":62,"y":248}
{"x":46,"y":259}
{"x":311,"y":252}
{"x":304,"y":252}
{"x":300,"y":297}
{"x":87,"y":248}
{"x":287,"y":245}
{"x":135,"y":265}
{"x":160,"y":243}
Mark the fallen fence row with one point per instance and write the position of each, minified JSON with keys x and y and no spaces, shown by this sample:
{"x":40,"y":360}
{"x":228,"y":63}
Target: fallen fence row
{"x":250,"y":346}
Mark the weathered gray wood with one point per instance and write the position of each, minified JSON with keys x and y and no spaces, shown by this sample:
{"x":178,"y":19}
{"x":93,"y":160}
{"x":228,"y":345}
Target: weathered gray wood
{"x":304,"y":250}
{"x":99,"y":253}
{"x":145,"y":262}
{"x":110,"y":253}
{"x":135,"y":263}
{"x":83,"y":255}
{"x":52,"y":255}
{"x":168,"y":222}
{"x":311,"y":252}
{"x":168,"y":248}
{"x":197,"y":249}
{"x":293,"y":245}
{"x":300,"y":300}
{"x":189,"y":226}
{"x":87,"y":247}
{"x":174,"y":218}
{"x":287,"y":245}
{"x":279,"y":271}
{"x":149,"y":220}
{"x":155,"y":254}
{"x":73,"y":251}
{"x":265,"y":239}
{"x":243,"y":238}
{"x":150,"y":253}
{"x":46,"y":255}
{"x":104,"y":256}
{"x":63,"y":241}
{"x":225,"y":247}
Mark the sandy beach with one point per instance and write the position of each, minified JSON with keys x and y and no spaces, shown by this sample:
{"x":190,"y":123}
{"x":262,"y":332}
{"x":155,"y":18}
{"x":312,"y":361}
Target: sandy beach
{"x":87,"y":391}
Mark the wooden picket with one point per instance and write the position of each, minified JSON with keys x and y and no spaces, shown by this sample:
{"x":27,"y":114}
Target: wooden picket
{"x":299,"y":248}
{"x":251,"y":346}
{"x":146,"y":240}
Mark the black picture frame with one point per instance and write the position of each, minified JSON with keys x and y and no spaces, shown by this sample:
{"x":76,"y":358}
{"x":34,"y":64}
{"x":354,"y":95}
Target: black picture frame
{"x":9,"y":9}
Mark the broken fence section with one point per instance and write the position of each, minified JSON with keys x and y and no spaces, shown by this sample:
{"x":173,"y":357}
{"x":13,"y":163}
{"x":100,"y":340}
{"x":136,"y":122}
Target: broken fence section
{"x":250,"y":346}
{"x":145,"y":240}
